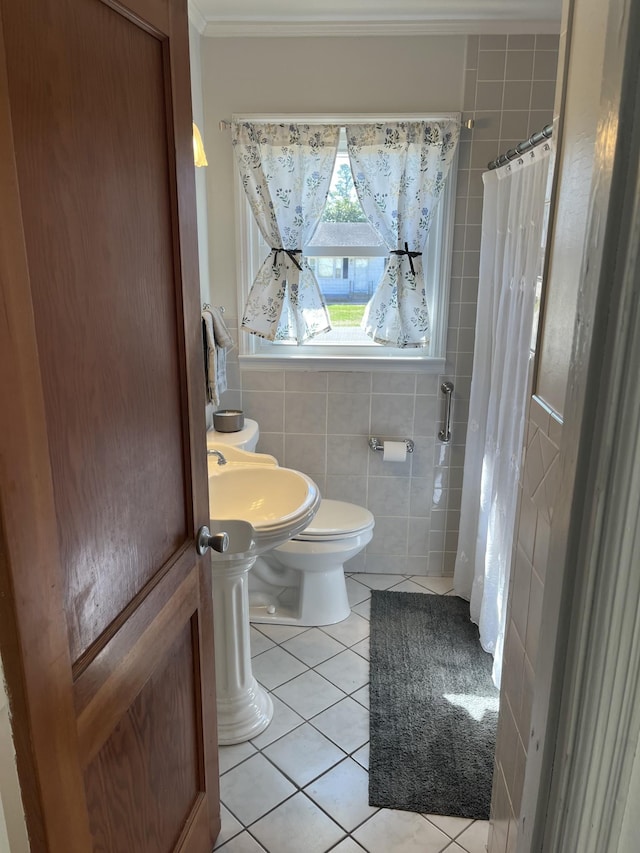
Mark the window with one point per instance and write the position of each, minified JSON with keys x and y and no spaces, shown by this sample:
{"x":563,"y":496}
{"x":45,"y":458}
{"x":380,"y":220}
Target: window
{"x":348,"y":260}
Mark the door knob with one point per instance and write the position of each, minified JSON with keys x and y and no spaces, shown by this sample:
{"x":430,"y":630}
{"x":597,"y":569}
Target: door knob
{"x":205,"y":540}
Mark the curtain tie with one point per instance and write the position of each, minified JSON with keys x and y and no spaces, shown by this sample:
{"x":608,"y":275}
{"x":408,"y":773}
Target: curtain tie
{"x":410,"y":255}
{"x":292,"y":254}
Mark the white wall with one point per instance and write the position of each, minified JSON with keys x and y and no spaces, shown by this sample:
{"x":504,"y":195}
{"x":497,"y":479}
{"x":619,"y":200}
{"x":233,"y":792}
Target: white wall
{"x":311,"y":75}
{"x":13,"y":832}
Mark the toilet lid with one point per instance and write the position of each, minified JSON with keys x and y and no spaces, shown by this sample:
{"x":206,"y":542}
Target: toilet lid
{"x":337,"y":519}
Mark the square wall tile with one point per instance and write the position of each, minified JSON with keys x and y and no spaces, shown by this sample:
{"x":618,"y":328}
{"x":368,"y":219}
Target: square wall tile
{"x":267,"y":408}
{"x":388,"y":495}
{"x":519,"y":65}
{"x":390,"y":536}
{"x":347,"y":454}
{"x":351,"y":489}
{"x":305,"y":413}
{"x":392,"y":415}
{"x":489,"y":95}
{"x":350,"y":383}
{"x":306,"y":380}
{"x":348,"y":414}
{"x":306,"y":453}
{"x":491,"y":65}
{"x":263,"y":380}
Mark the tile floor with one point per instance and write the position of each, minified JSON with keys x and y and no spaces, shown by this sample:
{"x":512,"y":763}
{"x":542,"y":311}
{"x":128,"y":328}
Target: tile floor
{"x":302,"y":785}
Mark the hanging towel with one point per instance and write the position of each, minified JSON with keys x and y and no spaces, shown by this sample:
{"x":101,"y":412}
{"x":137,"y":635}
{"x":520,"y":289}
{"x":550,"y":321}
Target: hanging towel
{"x":217,"y":341}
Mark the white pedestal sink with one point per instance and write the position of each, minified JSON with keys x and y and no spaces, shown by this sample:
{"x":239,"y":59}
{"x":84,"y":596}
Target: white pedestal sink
{"x":260,"y":506}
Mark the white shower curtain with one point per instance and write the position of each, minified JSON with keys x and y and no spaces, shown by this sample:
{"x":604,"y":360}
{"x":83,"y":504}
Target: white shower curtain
{"x":510,"y":262}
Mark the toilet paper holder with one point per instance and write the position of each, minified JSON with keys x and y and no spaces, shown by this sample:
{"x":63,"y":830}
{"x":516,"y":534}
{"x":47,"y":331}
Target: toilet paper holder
{"x":378,"y":444}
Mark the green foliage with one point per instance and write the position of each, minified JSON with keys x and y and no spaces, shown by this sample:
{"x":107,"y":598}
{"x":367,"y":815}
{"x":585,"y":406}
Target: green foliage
{"x":342,"y":203}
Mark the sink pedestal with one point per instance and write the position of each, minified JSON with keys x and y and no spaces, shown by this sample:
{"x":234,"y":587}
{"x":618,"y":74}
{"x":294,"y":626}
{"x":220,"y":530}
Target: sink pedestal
{"x":244,"y":708}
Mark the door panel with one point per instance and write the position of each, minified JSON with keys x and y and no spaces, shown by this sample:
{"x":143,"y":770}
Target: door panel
{"x":106,"y":620}
{"x":104,"y":301}
{"x":143,"y":781}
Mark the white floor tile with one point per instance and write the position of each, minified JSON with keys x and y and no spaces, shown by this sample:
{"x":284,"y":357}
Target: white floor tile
{"x":253,"y":788}
{"x":363,"y":609}
{"x":304,"y":754}
{"x":402,"y":832}
{"x":423,"y":580}
{"x":348,"y":671}
{"x":276,"y":666}
{"x":313,"y":647}
{"x":278,"y":633}
{"x":452,"y":826}
{"x":229,"y":756}
{"x":351,"y":631}
{"x":242,"y":843}
{"x":284,"y":720}
{"x":438,"y":585}
{"x":315,"y":725}
{"x":343,"y":793}
{"x":296,"y":826}
{"x":362,"y":696}
{"x":229,"y":828}
{"x":259,"y":643}
{"x":474,"y":839}
{"x":309,"y":694}
{"x":347,"y":846}
{"x":362,"y":648}
{"x":346,"y":724}
{"x":408,"y":586}
{"x":357,"y":592}
{"x":362,"y":756}
{"x":376,"y":581}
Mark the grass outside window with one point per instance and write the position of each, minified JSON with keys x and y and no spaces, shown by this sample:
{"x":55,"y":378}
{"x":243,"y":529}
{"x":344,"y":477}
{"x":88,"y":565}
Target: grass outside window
{"x":346,"y":314}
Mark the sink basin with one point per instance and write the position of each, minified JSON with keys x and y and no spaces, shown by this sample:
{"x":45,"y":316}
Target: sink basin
{"x":259,"y":506}
{"x":276,"y":502}
{"x":237,"y":458}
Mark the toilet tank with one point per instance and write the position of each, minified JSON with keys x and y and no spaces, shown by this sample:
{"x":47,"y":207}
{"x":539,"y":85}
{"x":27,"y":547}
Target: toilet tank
{"x":244,"y":439}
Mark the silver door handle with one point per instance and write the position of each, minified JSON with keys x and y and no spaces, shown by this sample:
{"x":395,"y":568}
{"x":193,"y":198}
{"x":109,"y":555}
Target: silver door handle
{"x":218,"y":541}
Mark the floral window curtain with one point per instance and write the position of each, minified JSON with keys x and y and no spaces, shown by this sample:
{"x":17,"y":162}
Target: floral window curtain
{"x":286,"y":172}
{"x":399,"y":170}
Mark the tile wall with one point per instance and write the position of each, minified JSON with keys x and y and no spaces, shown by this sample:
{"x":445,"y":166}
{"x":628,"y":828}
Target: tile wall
{"x":536,"y":500}
{"x":319,"y":422}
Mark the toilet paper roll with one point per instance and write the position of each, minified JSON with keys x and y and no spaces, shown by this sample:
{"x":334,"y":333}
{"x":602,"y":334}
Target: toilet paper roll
{"x":394,"y":451}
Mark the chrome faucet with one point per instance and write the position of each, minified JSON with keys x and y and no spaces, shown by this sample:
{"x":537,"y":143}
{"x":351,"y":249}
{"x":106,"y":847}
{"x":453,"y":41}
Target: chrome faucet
{"x":221,"y":459}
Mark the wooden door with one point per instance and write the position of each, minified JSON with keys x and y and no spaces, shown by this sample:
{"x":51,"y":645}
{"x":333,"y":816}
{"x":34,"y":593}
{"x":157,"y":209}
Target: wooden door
{"x":105,"y":607}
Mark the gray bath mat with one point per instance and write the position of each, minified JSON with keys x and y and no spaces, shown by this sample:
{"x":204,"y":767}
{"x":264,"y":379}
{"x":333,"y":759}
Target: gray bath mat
{"x":434,"y":708}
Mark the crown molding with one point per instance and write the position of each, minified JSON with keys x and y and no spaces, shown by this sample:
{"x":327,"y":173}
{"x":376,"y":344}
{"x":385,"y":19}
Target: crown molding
{"x":298,"y":29}
{"x":196,"y":17}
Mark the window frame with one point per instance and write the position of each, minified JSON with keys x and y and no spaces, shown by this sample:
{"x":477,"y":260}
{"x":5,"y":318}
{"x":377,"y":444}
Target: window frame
{"x":255,"y":352}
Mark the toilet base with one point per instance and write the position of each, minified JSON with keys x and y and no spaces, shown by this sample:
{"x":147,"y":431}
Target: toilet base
{"x":319,"y":599}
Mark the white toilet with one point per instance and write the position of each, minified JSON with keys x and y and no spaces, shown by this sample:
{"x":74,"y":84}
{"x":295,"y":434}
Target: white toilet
{"x":302,"y":581}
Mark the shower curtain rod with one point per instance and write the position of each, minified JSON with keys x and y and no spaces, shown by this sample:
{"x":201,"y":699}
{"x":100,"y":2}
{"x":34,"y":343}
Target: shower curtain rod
{"x":527,"y":145}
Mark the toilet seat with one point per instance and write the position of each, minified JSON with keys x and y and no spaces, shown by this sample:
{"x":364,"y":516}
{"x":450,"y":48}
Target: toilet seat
{"x":336,"y":520}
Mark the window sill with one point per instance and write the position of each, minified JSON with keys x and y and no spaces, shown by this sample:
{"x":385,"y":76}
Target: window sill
{"x":408,"y":364}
